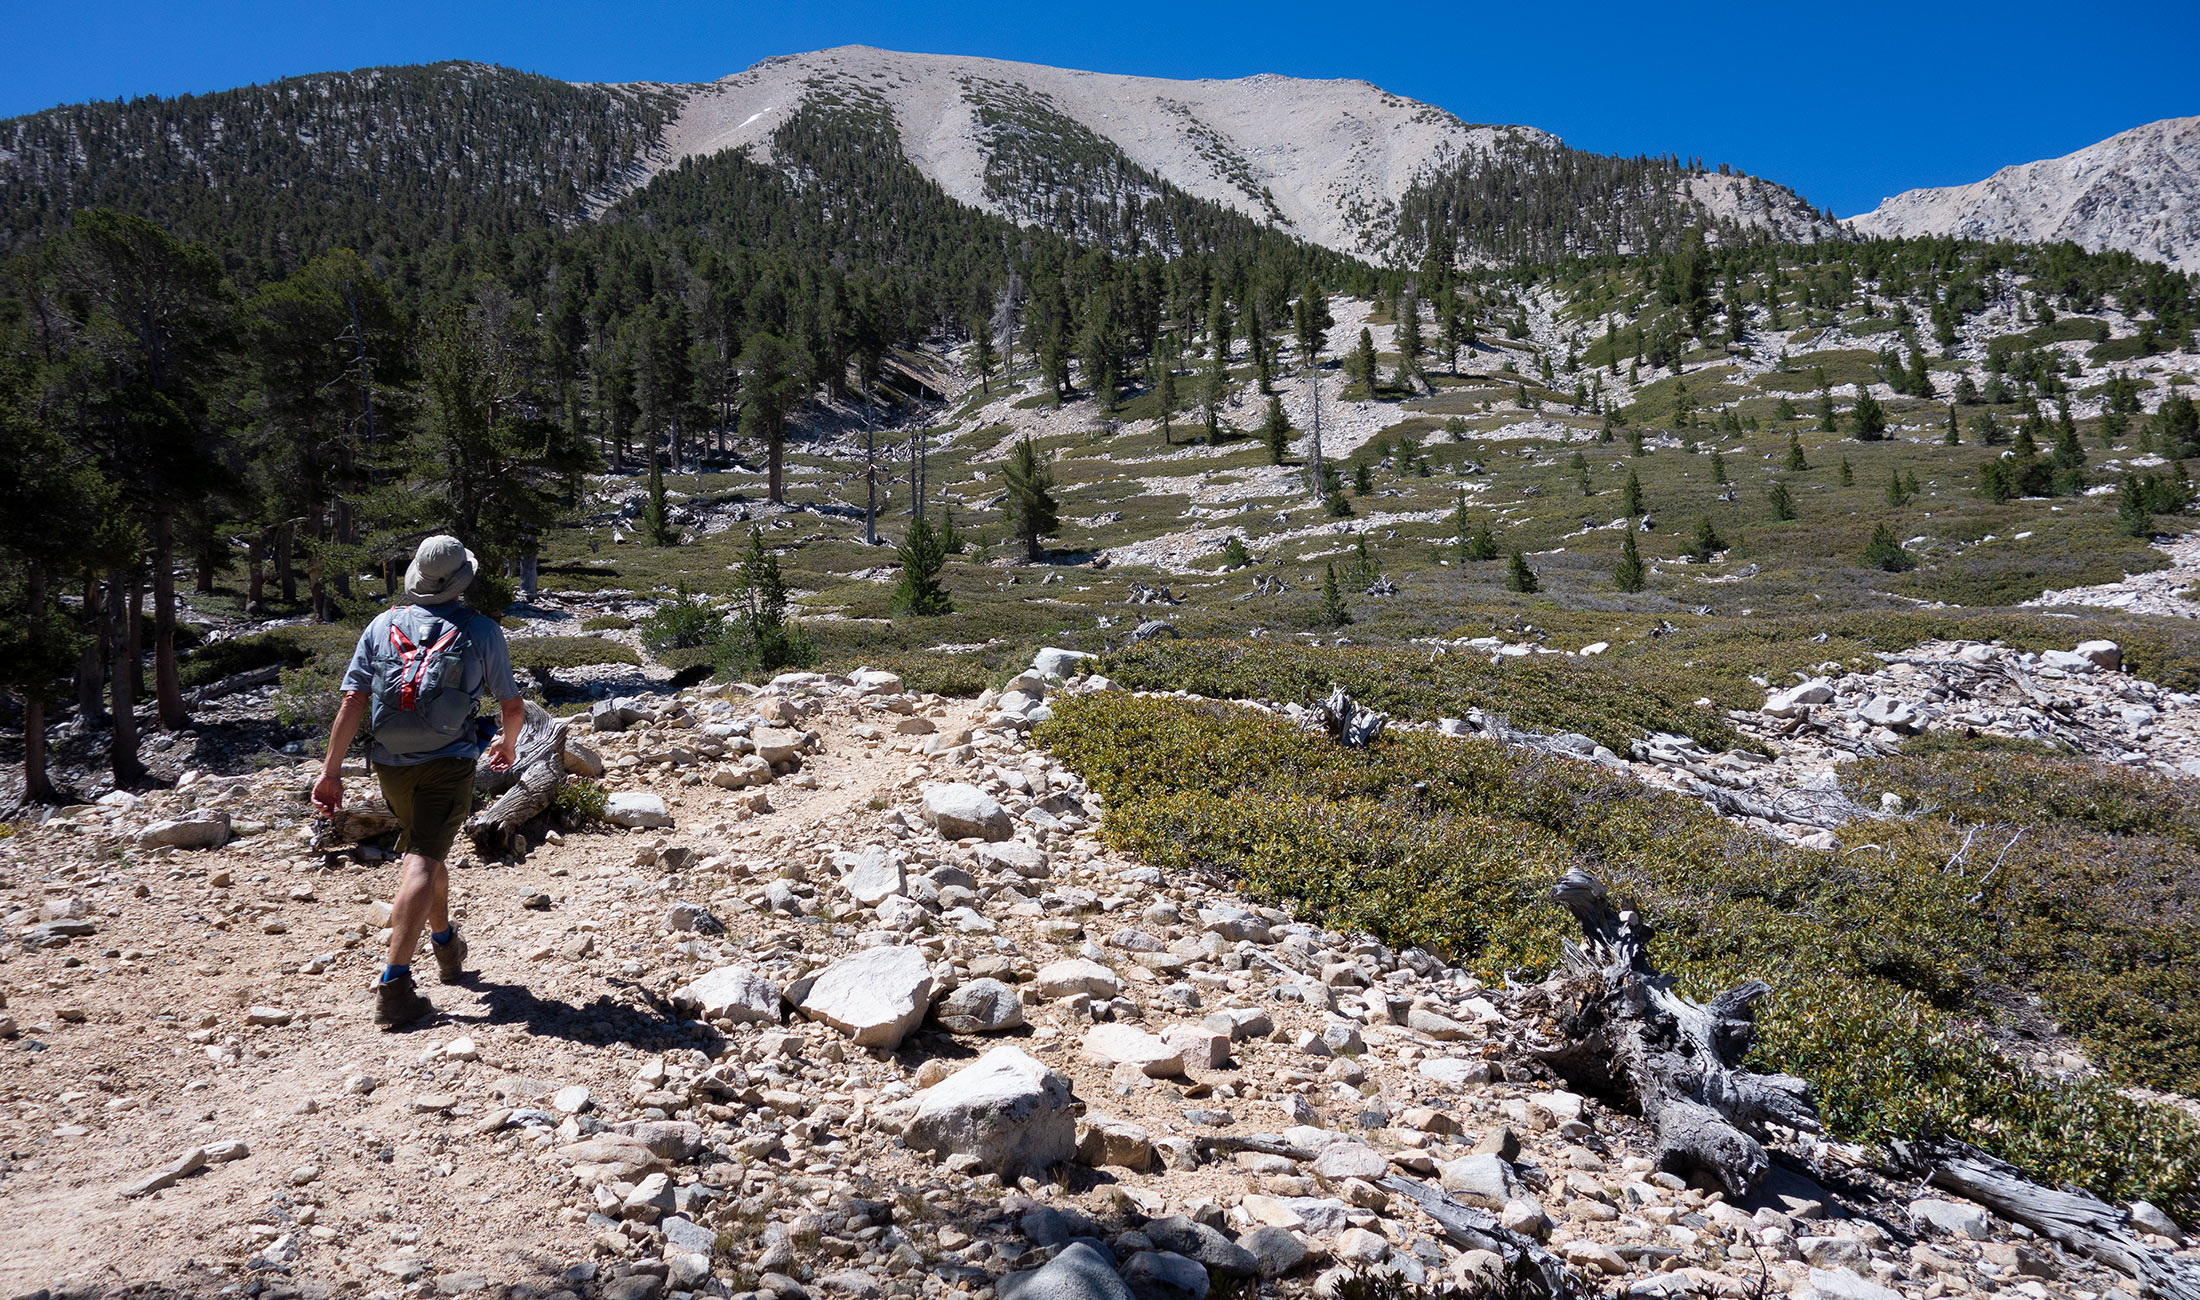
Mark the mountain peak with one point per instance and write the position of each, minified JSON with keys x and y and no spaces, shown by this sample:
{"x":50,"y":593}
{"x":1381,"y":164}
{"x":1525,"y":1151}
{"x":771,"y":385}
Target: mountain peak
{"x":2137,"y":191}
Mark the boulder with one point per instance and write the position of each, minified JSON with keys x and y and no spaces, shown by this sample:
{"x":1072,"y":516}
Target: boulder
{"x":1053,"y":663}
{"x":1796,"y":699}
{"x":200,"y":830}
{"x":875,"y":996}
{"x":1891,"y":713}
{"x":962,"y":811}
{"x":1078,"y":1272}
{"x":733,"y":993}
{"x":1118,"y":1142}
{"x":1841,"y":1284}
{"x":877,"y":877}
{"x":776,"y":745}
{"x":1952,"y":1218}
{"x":2104,"y":655}
{"x":610,"y":1158}
{"x":668,"y":1139}
{"x":1074,"y":975}
{"x":980,"y":1006}
{"x":637,"y":808}
{"x":1482,"y":1180}
{"x":1164,"y":1275}
{"x":1114,"y":1044}
{"x":1007,"y":1110}
{"x":1182,"y":1235}
{"x":1014,"y":856}
{"x":1274,"y":1250}
{"x":1350,"y":1160}
{"x":1201,"y":1047}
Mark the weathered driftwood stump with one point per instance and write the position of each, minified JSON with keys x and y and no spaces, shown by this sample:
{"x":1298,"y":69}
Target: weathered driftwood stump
{"x":1349,"y":722}
{"x":354,"y":823}
{"x":524,"y":790}
{"x":2083,"y":1223}
{"x":1624,"y":1034}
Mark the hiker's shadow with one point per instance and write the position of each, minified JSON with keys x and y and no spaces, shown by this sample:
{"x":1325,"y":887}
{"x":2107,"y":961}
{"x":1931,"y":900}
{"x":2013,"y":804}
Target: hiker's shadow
{"x":602,"y":1022}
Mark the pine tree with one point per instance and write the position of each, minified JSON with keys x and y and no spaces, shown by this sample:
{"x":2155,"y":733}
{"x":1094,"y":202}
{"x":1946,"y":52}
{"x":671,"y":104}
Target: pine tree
{"x":1707,"y":544}
{"x":1164,"y":391}
{"x":1868,"y":418}
{"x":1275,"y":429}
{"x":1631,"y":496}
{"x":764,"y":639}
{"x":2133,"y":519}
{"x":1362,"y":365}
{"x":1409,"y":338}
{"x":657,"y":526}
{"x":1634,"y":442}
{"x":923,"y":554}
{"x":1519,"y":577}
{"x":984,"y":356}
{"x":1481,"y":544}
{"x":1630,"y":575}
{"x":1334,"y":613}
{"x":1030,"y":507}
{"x":1951,"y":437}
{"x":1363,"y":482}
{"x":1718,"y":469}
{"x":1796,"y":462}
{"x":1234,"y":554}
{"x":1898,"y":493}
{"x":1884,"y":552}
{"x":1848,"y":475}
{"x":1783,"y":500}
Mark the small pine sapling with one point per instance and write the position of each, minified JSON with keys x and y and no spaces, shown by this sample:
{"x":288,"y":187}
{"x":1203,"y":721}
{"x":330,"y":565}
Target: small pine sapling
{"x":1884,"y":552}
{"x":1519,"y":577}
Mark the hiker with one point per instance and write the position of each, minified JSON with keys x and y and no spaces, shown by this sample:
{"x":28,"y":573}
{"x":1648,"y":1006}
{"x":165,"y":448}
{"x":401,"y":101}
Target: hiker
{"x":416,"y":677}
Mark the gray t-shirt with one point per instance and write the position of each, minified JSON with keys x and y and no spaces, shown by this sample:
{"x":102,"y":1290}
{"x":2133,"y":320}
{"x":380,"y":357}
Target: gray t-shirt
{"x":487,"y":671}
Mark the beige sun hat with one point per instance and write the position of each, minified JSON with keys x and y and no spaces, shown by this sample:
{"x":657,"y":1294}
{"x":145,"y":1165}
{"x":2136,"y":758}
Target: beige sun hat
{"x":440,"y":570}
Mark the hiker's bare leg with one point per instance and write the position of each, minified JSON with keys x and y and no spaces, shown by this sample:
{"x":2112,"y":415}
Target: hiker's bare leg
{"x":423,"y":894}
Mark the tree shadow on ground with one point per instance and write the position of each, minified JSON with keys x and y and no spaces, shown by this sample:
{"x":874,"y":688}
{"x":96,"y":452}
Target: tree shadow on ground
{"x":651,"y":1026}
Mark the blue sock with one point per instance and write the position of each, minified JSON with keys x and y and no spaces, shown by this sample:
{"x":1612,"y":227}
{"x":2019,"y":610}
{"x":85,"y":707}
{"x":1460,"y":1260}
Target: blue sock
{"x":442,"y":936}
{"x":393,"y":972}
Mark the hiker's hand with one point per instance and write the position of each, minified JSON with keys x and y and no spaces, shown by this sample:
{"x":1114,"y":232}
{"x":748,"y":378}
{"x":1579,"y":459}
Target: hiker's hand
{"x":500,"y":754}
{"x":328,"y":792}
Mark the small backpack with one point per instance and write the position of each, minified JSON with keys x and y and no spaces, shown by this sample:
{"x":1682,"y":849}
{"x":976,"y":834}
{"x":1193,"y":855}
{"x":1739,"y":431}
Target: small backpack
{"x":420,"y":701}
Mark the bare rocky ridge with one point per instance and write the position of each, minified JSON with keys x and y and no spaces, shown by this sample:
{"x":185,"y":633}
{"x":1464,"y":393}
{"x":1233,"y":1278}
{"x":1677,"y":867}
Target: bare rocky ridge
{"x":1083,"y":1078}
{"x":1325,"y":160}
{"x":2138,"y":191}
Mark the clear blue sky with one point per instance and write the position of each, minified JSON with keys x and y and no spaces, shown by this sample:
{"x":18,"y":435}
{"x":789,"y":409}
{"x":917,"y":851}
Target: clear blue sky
{"x":1846,"y":100}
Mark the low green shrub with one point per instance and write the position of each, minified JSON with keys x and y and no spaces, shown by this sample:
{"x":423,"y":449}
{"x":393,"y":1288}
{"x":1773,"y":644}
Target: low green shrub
{"x":607,"y":623}
{"x":1882,"y":968}
{"x":548,"y":653}
{"x":581,"y":799}
{"x":1612,"y":702}
{"x":682,"y":624}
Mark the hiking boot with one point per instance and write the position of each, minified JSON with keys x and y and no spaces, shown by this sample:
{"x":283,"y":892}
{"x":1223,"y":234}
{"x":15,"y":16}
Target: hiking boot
{"x":397,"y":1003}
{"x":450,"y":958}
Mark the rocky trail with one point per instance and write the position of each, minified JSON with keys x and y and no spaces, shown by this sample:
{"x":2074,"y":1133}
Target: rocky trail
{"x":855,"y":1005}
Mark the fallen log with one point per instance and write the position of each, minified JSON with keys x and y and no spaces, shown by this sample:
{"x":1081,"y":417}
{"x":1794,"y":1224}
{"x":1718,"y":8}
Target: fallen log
{"x":2084,"y":1223}
{"x":250,"y":680}
{"x":1625,"y":1035}
{"x":1537,"y":1272}
{"x":1350,"y":722}
{"x":523,"y":790}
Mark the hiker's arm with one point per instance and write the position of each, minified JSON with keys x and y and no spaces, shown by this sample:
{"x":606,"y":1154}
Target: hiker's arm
{"x":506,"y":749}
{"x":328,"y":792}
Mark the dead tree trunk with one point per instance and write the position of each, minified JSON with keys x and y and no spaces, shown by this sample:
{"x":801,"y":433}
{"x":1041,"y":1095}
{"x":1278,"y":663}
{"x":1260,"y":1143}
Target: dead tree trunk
{"x":1349,"y":722}
{"x":2086,"y":1224}
{"x":1532,"y":1270}
{"x":524,"y":790}
{"x":1626,"y":1035}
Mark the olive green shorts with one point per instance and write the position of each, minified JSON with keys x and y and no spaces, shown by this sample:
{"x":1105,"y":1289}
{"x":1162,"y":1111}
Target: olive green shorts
{"x":431,"y":801}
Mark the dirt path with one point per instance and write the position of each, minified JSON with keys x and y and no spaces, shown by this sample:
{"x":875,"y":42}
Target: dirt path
{"x":136,"y":1045}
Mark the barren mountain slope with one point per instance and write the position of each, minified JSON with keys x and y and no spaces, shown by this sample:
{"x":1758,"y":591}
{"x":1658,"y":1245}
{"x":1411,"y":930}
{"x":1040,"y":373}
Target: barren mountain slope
{"x":1327,"y":160}
{"x":2138,"y":191}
